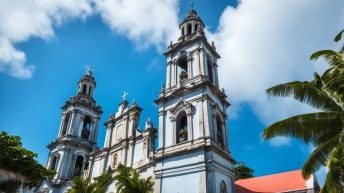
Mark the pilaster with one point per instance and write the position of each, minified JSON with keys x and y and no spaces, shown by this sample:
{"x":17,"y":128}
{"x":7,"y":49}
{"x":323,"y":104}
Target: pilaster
{"x":161,"y":129}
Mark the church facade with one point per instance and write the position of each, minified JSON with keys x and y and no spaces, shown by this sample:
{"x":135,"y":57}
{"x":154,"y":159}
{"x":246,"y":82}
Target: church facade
{"x":192,"y":153}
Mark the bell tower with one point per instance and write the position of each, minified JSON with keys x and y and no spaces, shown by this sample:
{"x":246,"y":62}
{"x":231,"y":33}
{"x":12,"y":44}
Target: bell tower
{"x":78,"y":132}
{"x":193,"y":131}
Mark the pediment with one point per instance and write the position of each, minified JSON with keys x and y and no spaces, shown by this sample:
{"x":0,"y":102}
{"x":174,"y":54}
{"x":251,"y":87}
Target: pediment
{"x":44,"y":187}
{"x":181,"y":105}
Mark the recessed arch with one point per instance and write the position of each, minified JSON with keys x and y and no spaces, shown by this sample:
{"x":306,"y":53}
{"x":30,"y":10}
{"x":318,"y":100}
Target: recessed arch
{"x":210,"y":71}
{"x":65,"y":124}
{"x":53,"y":163}
{"x":78,"y":166}
{"x":219,"y":131}
{"x":182,"y":127}
{"x":86,"y":128}
{"x":84,"y":88}
{"x":189,"y":29}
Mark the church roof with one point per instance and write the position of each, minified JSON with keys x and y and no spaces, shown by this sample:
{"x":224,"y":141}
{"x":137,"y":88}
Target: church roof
{"x":281,"y":182}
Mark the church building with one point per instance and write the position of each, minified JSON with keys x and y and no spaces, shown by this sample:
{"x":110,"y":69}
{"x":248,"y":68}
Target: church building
{"x":192,"y":153}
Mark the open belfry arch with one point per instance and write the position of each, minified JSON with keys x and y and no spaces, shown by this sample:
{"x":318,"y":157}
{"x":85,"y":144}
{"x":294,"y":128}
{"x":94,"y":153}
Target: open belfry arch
{"x":191,"y":154}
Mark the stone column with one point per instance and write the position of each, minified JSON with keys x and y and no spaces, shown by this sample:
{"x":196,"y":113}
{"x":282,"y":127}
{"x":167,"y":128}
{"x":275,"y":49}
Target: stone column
{"x":130,"y":156}
{"x":90,"y":173}
{"x":173,"y":130}
{"x":214,"y":133}
{"x":173,"y":73}
{"x":96,"y":128}
{"x":168,"y":75}
{"x":206,"y":116}
{"x":61,"y":125}
{"x":59,"y":166}
{"x":77,"y":132}
{"x":91,"y":136}
{"x":189,"y":121}
{"x":225,"y":128}
{"x":189,"y":61}
{"x":109,"y":135}
{"x":72,"y":166}
{"x":125,"y":126}
{"x":176,"y":73}
{"x":201,"y":61}
{"x":200,"y":115}
{"x":197,"y":63}
{"x":65,"y":163}
{"x":70,"y":122}
{"x":161,"y":143}
{"x":216,"y":75}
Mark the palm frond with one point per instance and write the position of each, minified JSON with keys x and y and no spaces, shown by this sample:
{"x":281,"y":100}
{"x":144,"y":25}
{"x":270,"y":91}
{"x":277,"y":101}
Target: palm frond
{"x":319,"y":157}
{"x":305,"y":92}
{"x":308,"y":127}
{"x":339,"y":36}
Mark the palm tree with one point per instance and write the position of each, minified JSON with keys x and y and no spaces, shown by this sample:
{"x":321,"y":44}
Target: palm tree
{"x":81,"y":185}
{"x":324,"y":129}
{"x":128,"y":181}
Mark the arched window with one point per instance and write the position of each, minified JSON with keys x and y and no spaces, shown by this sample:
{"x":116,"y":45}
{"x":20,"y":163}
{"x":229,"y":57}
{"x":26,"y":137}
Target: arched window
{"x":65,"y":124}
{"x":210,"y":71}
{"x":182,"y":128}
{"x":84,"y":88}
{"x":196,"y":27}
{"x":219,"y":131}
{"x":183,"y":63}
{"x":189,"y":29}
{"x":53,"y":163}
{"x":182,"y":31}
{"x":78,"y":166}
{"x":90,"y":91}
{"x":86,"y":127}
{"x":223,"y":187}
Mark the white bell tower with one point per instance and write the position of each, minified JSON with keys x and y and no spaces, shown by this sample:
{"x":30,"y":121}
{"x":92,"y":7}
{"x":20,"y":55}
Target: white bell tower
{"x":78,"y":132}
{"x":193,"y":132}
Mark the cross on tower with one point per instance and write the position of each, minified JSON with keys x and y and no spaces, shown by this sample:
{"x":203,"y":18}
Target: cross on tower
{"x":192,"y":6}
{"x":125,"y":94}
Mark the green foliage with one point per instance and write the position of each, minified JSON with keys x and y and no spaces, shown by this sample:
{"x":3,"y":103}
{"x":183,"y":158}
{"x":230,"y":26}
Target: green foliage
{"x":16,"y":158}
{"x":81,"y":185}
{"x":242,"y":171}
{"x":128,"y":181}
{"x":10,"y":186}
{"x":324,"y":130}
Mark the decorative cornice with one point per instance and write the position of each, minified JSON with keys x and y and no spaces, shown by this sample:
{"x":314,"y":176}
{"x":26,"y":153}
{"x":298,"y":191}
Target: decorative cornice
{"x":182,"y":44}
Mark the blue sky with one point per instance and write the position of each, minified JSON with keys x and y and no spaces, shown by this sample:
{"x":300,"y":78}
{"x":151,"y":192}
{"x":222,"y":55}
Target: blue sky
{"x":43,"y":53}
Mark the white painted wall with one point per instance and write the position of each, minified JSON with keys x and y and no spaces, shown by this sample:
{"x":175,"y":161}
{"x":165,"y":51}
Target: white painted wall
{"x":181,"y":184}
{"x":138,"y":152}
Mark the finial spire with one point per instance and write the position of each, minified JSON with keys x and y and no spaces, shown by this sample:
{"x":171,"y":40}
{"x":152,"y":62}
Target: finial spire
{"x":192,"y":6}
{"x":89,"y":71}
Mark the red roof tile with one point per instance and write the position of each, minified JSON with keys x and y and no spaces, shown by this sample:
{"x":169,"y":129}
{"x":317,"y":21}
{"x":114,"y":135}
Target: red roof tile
{"x":281,"y":182}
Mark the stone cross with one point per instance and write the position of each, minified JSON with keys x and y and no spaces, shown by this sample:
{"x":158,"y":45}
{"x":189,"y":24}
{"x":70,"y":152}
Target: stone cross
{"x":125,"y":94}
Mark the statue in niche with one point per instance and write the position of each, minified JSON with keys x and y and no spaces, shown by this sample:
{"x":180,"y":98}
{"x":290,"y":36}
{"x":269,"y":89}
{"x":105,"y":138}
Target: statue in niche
{"x":114,"y":161}
{"x":223,"y":187}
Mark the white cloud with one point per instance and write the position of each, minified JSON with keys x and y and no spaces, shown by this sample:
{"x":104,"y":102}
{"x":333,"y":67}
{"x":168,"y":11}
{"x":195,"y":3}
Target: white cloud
{"x":280,"y":141}
{"x":264,"y":43}
{"x":148,"y":22}
{"x":23,"y":19}
{"x":154,"y":65}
